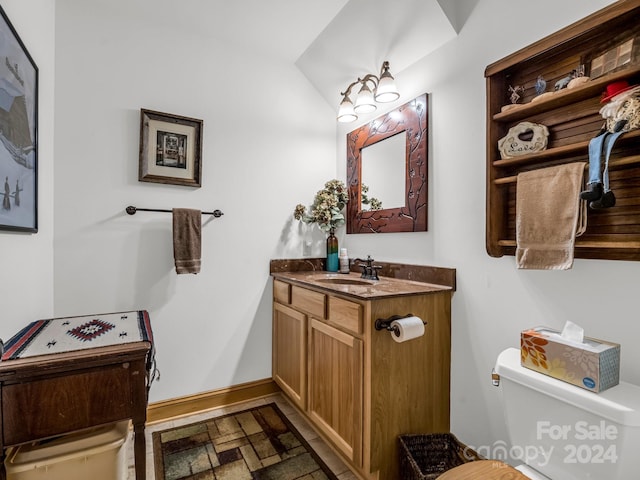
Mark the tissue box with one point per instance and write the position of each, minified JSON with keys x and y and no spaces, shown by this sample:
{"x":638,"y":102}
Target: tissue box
{"x":593,"y":364}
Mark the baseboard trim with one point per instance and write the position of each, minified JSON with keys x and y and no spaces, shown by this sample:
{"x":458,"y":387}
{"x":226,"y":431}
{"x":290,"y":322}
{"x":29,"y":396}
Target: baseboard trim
{"x":182,"y":406}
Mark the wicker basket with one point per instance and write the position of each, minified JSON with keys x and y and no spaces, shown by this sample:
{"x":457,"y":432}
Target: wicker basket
{"x":426,"y":457}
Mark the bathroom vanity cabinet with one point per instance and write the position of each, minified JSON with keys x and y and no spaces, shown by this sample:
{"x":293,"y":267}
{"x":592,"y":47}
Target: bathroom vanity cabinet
{"x":356,"y":385}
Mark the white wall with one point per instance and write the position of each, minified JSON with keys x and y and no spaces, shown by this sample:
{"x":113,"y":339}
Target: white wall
{"x":494,"y":301}
{"x":269,"y":143}
{"x":26,"y":260}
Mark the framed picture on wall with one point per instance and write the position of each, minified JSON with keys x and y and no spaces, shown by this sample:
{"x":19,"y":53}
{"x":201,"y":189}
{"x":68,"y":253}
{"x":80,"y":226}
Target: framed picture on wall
{"x":170,"y":149}
{"x":18,"y":132}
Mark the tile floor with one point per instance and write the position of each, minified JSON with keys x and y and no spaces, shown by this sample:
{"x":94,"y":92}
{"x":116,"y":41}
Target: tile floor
{"x":320,"y":447}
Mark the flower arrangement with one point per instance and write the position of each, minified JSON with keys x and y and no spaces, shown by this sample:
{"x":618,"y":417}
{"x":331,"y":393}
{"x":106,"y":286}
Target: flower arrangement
{"x":327,"y":207}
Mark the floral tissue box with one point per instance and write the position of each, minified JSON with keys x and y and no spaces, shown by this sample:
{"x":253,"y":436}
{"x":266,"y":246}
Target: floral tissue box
{"x":593,"y":364}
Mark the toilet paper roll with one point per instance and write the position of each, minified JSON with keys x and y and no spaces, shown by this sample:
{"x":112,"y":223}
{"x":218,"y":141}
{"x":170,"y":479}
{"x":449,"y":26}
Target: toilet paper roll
{"x":407,"y":329}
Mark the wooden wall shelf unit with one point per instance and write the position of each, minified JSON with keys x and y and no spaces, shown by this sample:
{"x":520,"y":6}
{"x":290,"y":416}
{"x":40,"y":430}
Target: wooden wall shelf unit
{"x":573,"y":119}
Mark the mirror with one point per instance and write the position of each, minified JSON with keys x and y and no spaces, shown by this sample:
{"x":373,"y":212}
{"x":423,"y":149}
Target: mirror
{"x":387,"y":172}
{"x":383,"y":173}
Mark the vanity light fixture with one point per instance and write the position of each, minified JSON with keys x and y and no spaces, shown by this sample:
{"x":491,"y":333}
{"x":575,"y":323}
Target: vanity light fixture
{"x":384,"y":91}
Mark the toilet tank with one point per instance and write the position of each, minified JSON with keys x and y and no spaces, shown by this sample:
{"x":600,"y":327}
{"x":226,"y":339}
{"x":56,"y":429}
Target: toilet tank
{"x":566,"y":432}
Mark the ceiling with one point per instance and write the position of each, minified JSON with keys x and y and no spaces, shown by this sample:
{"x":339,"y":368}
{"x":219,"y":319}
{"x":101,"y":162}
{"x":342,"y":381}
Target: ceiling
{"x":331,"y":41}
{"x":364,"y":33}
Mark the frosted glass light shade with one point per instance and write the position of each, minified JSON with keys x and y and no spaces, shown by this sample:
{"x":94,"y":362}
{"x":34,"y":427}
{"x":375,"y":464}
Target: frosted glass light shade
{"x":387,"y":90}
{"x":346,"y":112}
{"x":365,"y":102}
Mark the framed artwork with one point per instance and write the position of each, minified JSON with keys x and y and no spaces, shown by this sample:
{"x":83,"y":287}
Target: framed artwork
{"x":170,"y":149}
{"x":18,"y":132}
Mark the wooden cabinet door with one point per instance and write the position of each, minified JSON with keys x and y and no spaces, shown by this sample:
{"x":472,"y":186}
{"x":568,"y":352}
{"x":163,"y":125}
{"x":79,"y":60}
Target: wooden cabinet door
{"x":290,"y":353}
{"x":335,"y":387}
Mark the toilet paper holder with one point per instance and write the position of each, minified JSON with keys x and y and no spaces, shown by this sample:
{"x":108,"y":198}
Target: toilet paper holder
{"x":385,"y":323}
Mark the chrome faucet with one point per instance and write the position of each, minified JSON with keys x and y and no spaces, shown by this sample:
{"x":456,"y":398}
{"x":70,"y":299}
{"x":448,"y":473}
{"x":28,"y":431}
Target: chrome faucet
{"x":369,"y":270}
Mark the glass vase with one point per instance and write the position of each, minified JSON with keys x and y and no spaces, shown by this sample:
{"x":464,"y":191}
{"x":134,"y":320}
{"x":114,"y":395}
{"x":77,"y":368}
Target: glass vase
{"x":332,"y":252}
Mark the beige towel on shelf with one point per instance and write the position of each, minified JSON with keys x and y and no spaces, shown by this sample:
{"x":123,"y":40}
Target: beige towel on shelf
{"x":186,"y":239}
{"x":549,"y":216}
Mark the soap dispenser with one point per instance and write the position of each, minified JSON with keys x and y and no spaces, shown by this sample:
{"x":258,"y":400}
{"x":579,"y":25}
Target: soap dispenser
{"x":344,"y":261}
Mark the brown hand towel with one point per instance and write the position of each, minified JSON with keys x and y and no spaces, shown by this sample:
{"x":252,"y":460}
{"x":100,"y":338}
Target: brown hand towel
{"x":186,"y":239}
{"x":549,"y":214}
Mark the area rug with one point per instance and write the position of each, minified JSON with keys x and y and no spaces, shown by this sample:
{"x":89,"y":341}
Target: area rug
{"x":259,"y":443}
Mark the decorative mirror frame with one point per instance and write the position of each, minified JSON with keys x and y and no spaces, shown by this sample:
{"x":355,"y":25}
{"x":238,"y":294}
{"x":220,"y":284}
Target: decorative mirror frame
{"x":411,"y":117}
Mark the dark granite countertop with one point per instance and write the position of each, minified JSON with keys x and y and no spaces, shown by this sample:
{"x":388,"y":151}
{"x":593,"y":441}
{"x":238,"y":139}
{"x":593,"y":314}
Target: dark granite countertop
{"x":353,"y":285}
{"x":396,"y":279}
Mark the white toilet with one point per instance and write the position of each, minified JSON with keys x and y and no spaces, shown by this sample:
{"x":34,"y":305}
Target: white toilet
{"x":562,"y":432}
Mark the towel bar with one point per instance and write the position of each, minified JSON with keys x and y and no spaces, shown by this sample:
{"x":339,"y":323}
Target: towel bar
{"x":132,"y":210}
